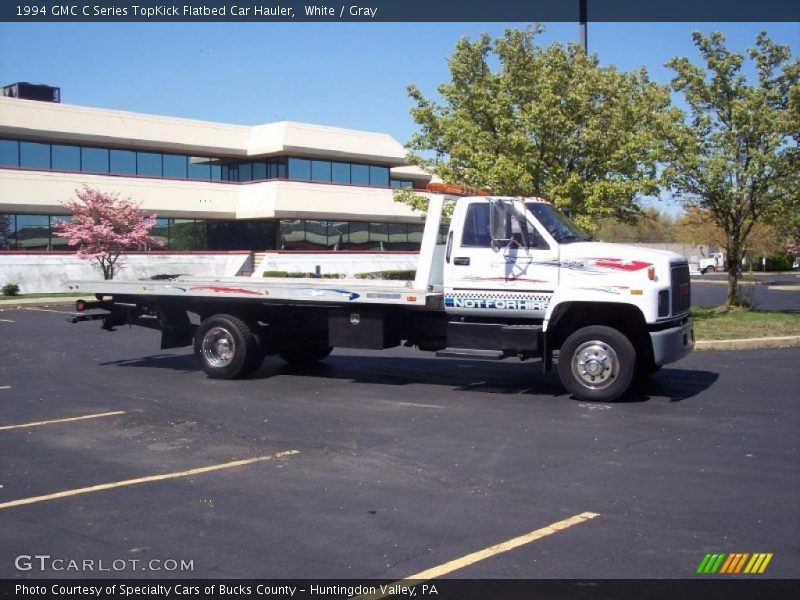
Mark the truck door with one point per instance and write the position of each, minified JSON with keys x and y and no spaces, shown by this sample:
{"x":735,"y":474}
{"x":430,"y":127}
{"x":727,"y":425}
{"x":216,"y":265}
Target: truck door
{"x":485,"y":280}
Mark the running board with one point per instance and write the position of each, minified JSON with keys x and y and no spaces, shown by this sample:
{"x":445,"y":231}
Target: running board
{"x":471,"y":353}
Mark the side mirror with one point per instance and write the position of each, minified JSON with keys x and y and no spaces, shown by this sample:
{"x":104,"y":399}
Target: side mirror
{"x":498,"y":217}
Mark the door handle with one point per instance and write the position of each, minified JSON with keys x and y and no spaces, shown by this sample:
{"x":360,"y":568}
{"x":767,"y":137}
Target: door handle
{"x":461,"y":261}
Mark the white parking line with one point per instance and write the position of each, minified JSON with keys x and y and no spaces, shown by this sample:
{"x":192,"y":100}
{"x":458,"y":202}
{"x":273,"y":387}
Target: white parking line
{"x":469,"y":559}
{"x":61,"y":312}
{"x":83,"y":418}
{"x":148,"y":479}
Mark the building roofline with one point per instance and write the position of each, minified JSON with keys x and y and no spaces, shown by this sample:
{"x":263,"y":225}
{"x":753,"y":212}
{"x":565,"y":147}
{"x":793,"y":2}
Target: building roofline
{"x":118,"y":128}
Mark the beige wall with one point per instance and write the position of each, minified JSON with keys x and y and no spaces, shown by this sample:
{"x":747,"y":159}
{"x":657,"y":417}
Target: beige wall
{"x":43,"y":192}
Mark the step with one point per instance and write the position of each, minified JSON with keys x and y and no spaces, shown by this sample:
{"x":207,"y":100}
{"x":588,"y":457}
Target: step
{"x":471,"y":353}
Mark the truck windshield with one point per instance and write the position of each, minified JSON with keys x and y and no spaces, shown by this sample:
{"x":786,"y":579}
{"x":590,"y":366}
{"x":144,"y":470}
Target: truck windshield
{"x":557,"y":224}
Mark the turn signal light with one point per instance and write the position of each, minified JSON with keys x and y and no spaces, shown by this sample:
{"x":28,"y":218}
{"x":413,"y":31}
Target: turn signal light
{"x":651,"y":273}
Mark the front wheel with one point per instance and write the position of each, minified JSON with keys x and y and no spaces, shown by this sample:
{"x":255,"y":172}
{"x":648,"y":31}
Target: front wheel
{"x":597,"y":363}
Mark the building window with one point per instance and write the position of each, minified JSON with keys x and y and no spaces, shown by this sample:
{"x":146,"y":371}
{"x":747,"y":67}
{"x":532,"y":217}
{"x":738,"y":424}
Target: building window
{"x":94,"y":160}
{"x":66,"y":158}
{"x":7,"y":228}
{"x":401,"y":184}
{"x":34,"y":155}
{"x":148,"y":164}
{"x":161,"y":232}
{"x":245,"y":171}
{"x":338,"y":235}
{"x":359,"y":174}
{"x":9,"y":153}
{"x":259,"y":171}
{"x":299,"y":169}
{"x":316,"y":233}
{"x":321,"y":171}
{"x":175,"y":166}
{"x":32,"y":232}
{"x":199,"y":168}
{"x":123,"y":162}
{"x":292,"y":234}
{"x":378,"y":176}
{"x":340,"y":172}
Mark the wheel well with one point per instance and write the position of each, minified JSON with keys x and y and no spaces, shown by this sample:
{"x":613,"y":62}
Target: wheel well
{"x":626,"y":318}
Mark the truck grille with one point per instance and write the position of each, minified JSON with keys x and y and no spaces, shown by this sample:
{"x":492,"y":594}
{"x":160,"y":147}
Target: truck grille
{"x":681,"y":289}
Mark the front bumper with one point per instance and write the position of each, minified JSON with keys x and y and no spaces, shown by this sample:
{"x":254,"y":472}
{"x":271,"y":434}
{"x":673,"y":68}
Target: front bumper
{"x":672,"y":344}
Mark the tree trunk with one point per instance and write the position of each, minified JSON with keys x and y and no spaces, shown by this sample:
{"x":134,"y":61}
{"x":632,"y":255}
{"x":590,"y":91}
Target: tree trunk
{"x":734,"y":263}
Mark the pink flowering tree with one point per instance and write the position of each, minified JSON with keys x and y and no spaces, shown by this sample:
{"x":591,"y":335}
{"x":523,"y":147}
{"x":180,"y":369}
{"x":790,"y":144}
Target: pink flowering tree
{"x":104,"y":226}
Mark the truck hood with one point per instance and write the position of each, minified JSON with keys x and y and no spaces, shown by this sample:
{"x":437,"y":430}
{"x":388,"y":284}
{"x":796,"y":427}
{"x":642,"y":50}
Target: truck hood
{"x":615,"y":257}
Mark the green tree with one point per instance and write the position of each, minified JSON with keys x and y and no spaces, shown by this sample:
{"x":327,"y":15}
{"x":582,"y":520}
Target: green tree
{"x":738,"y":160}
{"x":651,"y":225}
{"x":545,"y":122}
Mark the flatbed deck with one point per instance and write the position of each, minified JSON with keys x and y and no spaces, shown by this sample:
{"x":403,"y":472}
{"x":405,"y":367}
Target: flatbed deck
{"x":268,"y":291}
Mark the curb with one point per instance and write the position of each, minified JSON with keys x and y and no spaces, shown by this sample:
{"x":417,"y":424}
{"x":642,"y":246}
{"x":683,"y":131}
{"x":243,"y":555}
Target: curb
{"x":29,"y":301}
{"x":786,"y":341}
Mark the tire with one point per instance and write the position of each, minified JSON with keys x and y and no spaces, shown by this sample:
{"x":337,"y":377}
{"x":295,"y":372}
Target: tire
{"x":228,"y":347}
{"x":597,"y":363}
{"x":303,"y":352}
{"x":711,"y":270}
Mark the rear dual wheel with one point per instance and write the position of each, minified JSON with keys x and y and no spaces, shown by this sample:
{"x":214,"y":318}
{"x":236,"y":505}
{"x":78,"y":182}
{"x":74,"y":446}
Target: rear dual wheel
{"x":228,"y":347}
{"x":303,"y":352}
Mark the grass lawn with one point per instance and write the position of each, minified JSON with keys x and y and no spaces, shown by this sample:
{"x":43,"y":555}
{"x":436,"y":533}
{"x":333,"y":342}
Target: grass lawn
{"x":737,"y":324}
{"x":45,"y":295}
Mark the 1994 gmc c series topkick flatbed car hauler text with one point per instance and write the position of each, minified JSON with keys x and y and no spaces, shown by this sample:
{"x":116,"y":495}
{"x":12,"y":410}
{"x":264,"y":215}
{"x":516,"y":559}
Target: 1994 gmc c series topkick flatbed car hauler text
{"x":515,"y":279}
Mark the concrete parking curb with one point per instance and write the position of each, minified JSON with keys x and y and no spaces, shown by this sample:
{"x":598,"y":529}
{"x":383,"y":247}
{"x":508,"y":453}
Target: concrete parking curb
{"x":786,"y":341}
{"x":29,"y":301}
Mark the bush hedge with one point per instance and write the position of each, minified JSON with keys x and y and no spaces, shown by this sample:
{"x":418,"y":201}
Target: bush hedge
{"x":302,"y":275}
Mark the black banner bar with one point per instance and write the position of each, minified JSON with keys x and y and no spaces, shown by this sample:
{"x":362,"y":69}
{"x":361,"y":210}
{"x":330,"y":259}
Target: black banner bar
{"x":34,"y":11}
{"x":705,"y":587}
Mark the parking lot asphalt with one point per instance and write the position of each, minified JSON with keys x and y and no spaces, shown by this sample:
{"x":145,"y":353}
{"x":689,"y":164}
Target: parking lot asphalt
{"x":381,"y":465}
{"x":773,"y":291}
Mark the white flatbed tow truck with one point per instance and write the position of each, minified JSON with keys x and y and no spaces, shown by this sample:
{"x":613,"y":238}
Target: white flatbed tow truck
{"x":515,"y":278}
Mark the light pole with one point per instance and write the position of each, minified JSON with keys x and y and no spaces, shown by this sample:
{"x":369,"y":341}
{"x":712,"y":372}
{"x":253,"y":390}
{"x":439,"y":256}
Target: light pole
{"x":582,"y":18}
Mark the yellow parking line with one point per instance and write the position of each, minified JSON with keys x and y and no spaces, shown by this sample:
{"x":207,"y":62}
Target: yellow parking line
{"x":37,"y":423}
{"x":115,"y":484}
{"x":465,"y":561}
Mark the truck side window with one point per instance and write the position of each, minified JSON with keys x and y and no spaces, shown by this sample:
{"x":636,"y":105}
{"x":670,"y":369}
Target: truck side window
{"x":476,"y":231}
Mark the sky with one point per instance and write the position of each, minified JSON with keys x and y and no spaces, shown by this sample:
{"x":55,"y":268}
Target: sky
{"x":350,"y":75}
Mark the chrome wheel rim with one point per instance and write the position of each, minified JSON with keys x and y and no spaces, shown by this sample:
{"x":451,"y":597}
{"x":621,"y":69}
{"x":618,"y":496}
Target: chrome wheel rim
{"x":595,"y":365}
{"x":218,"y":347}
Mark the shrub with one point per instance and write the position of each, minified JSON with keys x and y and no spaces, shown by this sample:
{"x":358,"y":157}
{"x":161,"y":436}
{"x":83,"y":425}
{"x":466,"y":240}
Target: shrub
{"x":302,"y":275}
{"x":780,"y":261}
{"x":396,"y":274}
{"x":10,"y":289}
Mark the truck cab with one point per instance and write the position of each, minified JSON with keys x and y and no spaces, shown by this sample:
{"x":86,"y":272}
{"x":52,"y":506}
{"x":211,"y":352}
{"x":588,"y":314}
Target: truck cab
{"x":611,"y":312}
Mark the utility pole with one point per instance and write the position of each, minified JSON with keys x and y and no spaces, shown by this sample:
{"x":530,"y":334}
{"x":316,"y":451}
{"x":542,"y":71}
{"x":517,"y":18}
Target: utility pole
{"x":582,"y":18}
